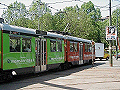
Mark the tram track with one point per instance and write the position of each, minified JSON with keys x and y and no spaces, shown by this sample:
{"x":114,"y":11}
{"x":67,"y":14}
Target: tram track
{"x":34,"y":75}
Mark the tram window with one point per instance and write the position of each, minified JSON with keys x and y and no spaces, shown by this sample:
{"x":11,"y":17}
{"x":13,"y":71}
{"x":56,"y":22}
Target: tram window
{"x":86,"y":48}
{"x":26,"y":45}
{"x":59,"y":46}
{"x":90,"y":48}
{"x":71,"y":47}
{"x":52,"y":45}
{"x":93,"y":48}
{"x":14,"y":44}
{"x":75,"y":47}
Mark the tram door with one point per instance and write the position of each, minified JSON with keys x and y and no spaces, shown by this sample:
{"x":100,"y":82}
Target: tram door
{"x":81,"y":53}
{"x":43,"y":54}
{"x":40,"y":55}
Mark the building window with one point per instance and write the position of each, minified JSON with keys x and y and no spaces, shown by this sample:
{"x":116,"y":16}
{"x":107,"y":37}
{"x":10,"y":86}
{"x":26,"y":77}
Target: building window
{"x":15,"y":45}
{"x":52,"y":45}
{"x":26,"y":45}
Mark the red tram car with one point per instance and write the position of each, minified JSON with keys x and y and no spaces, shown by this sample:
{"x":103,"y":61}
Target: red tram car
{"x":78,"y":51}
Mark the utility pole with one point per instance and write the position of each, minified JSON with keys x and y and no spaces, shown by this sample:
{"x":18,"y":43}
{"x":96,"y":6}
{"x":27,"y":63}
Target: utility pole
{"x":110,"y":42}
{"x":39,"y":13}
{"x":117,"y":39}
{"x":93,"y":44}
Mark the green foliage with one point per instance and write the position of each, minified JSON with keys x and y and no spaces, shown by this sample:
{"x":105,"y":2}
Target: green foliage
{"x":115,"y":13}
{"x":14,"y":12}
{"x":115,"y":16}
{"x":38,"y":16}
{"x":47,"y":22}
{"x":81,"y":21}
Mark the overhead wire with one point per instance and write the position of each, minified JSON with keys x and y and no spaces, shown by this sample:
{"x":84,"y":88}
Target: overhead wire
{"x":94,"y":5}
{"x":59,"y":2}
{"x":101,"y":7}
{"x":54,"y":8}
{"x":112,"y":7}
{"x":115,"y":6}
{"x":3,"y":8}
{"x":4,"y":4}
{"x":106,"y":6}
{"x":79,"y":1}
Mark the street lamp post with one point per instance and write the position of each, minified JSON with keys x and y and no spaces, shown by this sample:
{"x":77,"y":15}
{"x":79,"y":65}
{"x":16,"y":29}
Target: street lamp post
{"x":117,"y":36}
{"x":40,"y":12}
{"x":110,"y":42}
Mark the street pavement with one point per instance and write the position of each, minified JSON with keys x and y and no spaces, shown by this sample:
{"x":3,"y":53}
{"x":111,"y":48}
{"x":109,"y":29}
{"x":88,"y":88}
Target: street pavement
{"x":99,"y":77}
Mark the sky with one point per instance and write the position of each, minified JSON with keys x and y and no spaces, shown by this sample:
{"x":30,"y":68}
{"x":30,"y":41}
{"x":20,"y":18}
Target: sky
{"x":104,"y":11}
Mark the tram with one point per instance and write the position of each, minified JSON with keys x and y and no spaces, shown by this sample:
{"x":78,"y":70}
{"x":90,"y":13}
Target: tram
{"x":24,"y":51}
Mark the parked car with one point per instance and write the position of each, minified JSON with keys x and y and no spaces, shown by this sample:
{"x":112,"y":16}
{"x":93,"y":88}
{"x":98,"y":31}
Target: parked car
{"x":118,"y":55}
{"x":106,"y":55}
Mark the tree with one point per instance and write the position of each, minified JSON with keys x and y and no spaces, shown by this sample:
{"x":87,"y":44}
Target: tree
{"x":91,"y":11}
{"x":115,"y":16}
{"x":115,"y":13}
{"x":93,"y":15}
{"x":76,"y":19}
{"x":15,"y":12}
{"x":38,"y":11}
{"x":81,"y":21}
{"x":84,"y":22}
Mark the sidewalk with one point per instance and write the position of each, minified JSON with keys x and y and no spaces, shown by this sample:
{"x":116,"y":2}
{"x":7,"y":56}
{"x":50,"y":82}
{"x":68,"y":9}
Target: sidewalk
{"x":99,"y":77}
{"x":116,"y":63}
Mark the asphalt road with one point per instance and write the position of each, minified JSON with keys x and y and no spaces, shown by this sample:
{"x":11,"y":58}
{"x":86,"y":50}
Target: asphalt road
{"x":99,"y":77}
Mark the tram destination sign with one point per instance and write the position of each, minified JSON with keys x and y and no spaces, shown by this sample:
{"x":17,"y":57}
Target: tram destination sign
{"x":111,"y":33}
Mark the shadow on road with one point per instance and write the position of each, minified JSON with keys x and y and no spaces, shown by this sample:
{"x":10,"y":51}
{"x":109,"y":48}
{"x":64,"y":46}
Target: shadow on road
{"x":42,"y":78}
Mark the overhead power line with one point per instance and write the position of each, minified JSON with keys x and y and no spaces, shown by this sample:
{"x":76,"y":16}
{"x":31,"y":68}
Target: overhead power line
{"x":3,"y":8}
{"x":53,"y":8}
{"x":112,"y":7}
{"x":59,"y":2}
{"x":94,"y":5}
{"x":64,"y":2}
{"x":4,"y":4}
{"x":105,"y":10}
{"x":106,"y":6}
{"x":115,"y":6}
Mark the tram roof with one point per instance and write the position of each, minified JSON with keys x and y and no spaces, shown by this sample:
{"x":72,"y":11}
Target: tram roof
{"x":78,"y":39}
{"x":87,"y":41}
{"x":55,"y":35}
{"x":49,"y":34}
{"x":17,"y":29}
